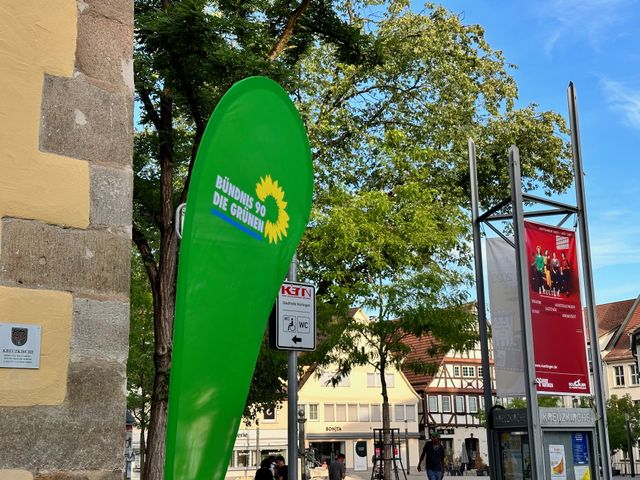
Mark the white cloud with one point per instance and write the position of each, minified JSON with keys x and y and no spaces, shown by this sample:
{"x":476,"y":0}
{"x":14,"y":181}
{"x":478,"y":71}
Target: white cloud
{"x":590,"y":20}
{"x":624,"y":100}
{"x":618,"y":245}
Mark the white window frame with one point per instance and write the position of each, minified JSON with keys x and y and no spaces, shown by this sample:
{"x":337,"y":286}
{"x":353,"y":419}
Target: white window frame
{"x":468,"y":371}
{"x":327,"y":376}
{"x":363,"y":412}
{"x":373,"y":380}
{"x":352,"y":412}
{"x":376,"y":412}
{"x":329,"y":407}
{"x":410,"y":417}
{"x":456,"y":370}
{"x":446,"y":409}
{"x":313,"y":408}
{"x":433,"y":399}
{"x":618,"y":371}
{"x":634,"y":373}
{"x":344,"y":408}
{"x":460,"y":404}
{"x":398,"y":408}
{"x":473,"y":404}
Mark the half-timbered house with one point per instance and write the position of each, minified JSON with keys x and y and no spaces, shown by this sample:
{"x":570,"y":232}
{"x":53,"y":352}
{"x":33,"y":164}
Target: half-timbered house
{"x":452,"y":400}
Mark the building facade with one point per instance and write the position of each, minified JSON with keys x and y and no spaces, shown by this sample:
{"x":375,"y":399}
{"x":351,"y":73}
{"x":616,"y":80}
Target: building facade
{"x":616,"y":322}
{"x":338,"y":419}
{"x":452,"y":402}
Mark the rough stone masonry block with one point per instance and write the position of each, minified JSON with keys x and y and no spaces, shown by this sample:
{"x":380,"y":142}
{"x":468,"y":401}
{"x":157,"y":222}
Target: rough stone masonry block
{"x":86,"y":433}
{"x":105,"y":45}
{"x":111,"y":196}
{"x":118,"y":10}
{"x":80,"y":120}
{"x":88,"y":262}
{"x":100,"y":330}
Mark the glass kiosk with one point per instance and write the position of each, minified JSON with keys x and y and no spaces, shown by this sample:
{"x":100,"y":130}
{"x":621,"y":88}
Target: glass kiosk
{"x":568,"y":437}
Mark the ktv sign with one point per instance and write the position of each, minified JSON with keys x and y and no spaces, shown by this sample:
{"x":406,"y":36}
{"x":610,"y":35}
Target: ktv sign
{"x":293,"y":322}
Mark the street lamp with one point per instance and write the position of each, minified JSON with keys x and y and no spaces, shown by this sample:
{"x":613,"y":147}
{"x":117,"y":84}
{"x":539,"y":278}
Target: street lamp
{"x":629,"y":444}
{"x":301,"y":443}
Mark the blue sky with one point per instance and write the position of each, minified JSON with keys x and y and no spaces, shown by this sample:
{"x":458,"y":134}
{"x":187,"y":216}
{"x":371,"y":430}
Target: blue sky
{"x":595,"y":44}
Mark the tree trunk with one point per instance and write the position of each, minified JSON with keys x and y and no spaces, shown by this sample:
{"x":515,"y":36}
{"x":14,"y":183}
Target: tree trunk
{"x":164,"y":298}
{"x":143,"y":452}
{"x":386,"y":422}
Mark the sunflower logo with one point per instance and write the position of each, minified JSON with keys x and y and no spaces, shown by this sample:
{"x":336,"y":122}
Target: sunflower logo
{"x":274,"y":230}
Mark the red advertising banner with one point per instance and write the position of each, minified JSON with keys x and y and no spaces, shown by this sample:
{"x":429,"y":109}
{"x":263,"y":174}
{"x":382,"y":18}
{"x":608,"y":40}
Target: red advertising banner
{"x":556,"y":312}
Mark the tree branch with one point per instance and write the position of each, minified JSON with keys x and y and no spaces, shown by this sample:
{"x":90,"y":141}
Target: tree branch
{"x":287,"y":33}
{"x":149,"y":108}
{"x":150,"y":264}
{"x":194,"y":151}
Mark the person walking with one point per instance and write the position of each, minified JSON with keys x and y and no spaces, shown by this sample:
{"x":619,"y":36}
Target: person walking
{"x":434,"y":453}
{"x":337,"y":468}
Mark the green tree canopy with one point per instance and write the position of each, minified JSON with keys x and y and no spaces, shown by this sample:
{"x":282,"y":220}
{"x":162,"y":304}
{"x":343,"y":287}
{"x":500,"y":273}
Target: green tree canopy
{"x":621,"y":410}
{"x":389,"y":97}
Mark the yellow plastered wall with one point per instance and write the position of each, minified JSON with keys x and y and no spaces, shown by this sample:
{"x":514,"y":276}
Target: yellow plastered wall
{"x":15,"y":475}
{"x":37,"y":38}
{"x":53,"y":312}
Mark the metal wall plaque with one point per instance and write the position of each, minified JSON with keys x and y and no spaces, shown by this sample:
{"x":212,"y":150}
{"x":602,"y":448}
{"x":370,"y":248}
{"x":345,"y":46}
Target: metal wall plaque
{"x":20,"y":345}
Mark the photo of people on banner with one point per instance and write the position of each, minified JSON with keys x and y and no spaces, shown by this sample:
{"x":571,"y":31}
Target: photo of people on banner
{"x":556,"y":310}
{"x":550,"y":267}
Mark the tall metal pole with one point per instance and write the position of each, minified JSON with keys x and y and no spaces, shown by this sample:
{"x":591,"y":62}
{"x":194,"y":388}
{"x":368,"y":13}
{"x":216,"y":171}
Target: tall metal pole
{"x":601,"y":418}
{"x":533,"y":413}
{"x":482,"y":311}
{"x":292,"y":394}
{"x":406,"y":446}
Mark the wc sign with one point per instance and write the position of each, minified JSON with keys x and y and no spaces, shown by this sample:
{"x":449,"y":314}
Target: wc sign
{"x":293,"y":323}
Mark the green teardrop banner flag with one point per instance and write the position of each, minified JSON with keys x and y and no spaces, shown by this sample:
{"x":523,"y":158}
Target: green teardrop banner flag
{"x":248,"y":205}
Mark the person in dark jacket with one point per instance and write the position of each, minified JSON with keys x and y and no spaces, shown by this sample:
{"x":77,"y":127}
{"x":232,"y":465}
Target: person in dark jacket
{"x":264,"y":472}
{"x":282,"y":470}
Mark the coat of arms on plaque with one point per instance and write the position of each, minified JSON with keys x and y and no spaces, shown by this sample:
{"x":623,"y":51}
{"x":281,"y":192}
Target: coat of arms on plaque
{"x":19,"y":336}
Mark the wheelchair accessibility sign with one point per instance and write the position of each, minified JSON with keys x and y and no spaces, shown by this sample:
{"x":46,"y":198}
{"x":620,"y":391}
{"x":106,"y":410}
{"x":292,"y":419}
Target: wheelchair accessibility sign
{"x":293,"y":327}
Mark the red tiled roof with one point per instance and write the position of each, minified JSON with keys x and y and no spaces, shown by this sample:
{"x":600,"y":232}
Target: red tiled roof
{"x":420,"y":347}
{"x":621,"y":350}
{"x":611,"y":315}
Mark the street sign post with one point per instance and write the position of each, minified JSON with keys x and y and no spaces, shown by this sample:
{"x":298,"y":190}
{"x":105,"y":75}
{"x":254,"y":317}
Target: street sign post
{"x":293,"y":324}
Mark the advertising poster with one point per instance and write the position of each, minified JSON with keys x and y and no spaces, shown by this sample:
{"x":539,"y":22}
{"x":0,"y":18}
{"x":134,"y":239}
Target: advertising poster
{"x":556,"y":311}
{"x":580,"y":449}
{"x":505,"y":318}
{"x":557,"y":462}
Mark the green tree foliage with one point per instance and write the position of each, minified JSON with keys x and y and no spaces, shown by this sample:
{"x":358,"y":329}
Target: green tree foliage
{"x":187,"y":54}
{"x":389,"y":97}
{"x":618,"y":410}
{"x":390,"y":228}
{"x":140,"y":371}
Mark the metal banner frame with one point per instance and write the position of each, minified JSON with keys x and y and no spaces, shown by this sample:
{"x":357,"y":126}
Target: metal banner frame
{"x":517,"y":216}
